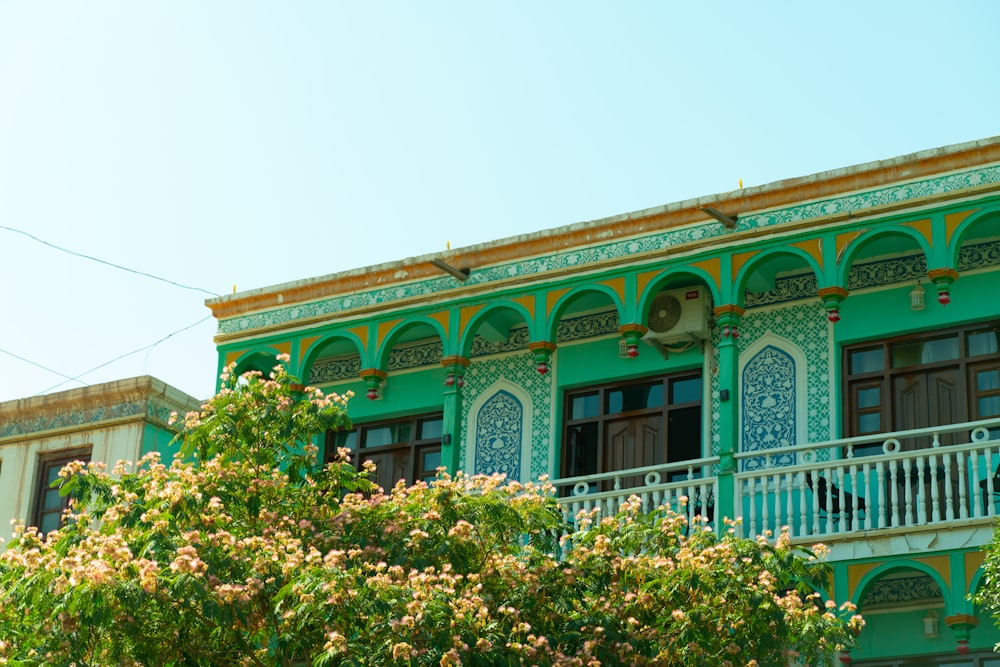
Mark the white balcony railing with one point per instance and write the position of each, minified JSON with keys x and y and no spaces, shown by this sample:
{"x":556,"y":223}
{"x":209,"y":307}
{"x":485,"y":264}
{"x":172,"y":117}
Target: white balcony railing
{"x":689,"y":488}
{"x":830,"y":489}
{"x":912,"y":480}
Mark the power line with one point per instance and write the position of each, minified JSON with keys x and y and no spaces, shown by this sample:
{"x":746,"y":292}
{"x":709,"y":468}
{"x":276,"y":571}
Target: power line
{"x":122,"y":356}
{"x":105,"y":262}
{"x":38,"y":365}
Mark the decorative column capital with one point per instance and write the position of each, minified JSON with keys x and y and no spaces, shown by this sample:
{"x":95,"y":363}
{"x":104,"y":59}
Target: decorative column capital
{"x":962,"y":625}
{"x":455,"y":370}
{"x":541,"y":355}
{"x":633,"y":333}
{"x":374,"y":378}
{"x":942,"y":279}
{"x":832,"y":298}
{"x":727,"y":317}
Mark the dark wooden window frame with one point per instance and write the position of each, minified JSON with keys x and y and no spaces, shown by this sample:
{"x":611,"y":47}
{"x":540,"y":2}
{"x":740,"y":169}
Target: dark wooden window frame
{"x":416,"y":449}
{"x":604,"y":416}
{"x":882,"y":379}
{"x":49,"y":463}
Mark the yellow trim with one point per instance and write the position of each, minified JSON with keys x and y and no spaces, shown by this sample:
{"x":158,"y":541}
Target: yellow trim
{"x":467,"y":313}
{"x":973,"y":561}
{"x":846,"y":239}
{"x":813,"y":247}
{"x":552,"y":297}
{"x":285,"y":347}
{"x":953,"y":220}
{"x":740,"y":260}
{"x":528,"y":301}
{"x":924,"y":227}
{"x":305,"y":344}
{"x":618,"y":285}
{"x":712,"y":267}
{"x":233,"y":356}
{"x":940,"y":564}
{"x":442,"y":318}
{"x":384,"y":328}
{"x":855,"y":573}
{"x":643,"y":279}
{"x":362,"y":334}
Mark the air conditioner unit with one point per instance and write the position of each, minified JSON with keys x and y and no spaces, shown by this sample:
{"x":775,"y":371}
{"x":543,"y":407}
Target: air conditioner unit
{"x":678,"y":317}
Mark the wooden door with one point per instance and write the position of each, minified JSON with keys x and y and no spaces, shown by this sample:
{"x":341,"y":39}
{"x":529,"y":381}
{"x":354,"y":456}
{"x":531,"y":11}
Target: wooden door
{"x":928,"y":398}
{"x":633,"y":443}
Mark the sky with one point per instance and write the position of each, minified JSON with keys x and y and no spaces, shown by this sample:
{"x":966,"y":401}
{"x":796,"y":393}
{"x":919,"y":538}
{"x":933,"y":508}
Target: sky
{"x":243,"y":143}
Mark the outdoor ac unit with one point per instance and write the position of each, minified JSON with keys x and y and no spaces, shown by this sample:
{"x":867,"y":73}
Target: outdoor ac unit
{"x":678,"y":317}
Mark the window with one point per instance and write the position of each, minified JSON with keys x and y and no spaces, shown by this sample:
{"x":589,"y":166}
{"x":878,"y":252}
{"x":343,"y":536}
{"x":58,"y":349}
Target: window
{"x":408,"y":448}
{"x":48,"y":504}
{"x":916,"y":381}
{"x":624,"y":426}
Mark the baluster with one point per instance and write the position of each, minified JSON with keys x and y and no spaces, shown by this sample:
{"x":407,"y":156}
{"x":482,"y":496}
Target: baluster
{"x":950,"y":504}
{"x":963,"y":494}
{"x":935,"y":494}
{"x":880,"y":474}
{"x":894,"y":493}
{"x":789,"y":505}
{"x":765,"y":514}
{"x":718,"y":507}
{"x":977,"y":510}
{"x":908,"y":494}
{"x":921,"y":491}
{"x":618,"y":484}
{"x":855,"y":502}
{"x":778,"y":507}
{"x":990,"y":490}
{"x":752,"y":525}
{"x":865,"y":479}
{"x":841,"y":500}
{"x":800,"y":481}
{"x":828,"y":500}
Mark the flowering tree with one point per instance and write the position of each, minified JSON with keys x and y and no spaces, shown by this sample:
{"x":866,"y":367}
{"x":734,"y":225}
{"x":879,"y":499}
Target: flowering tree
{"x":247,"y":551}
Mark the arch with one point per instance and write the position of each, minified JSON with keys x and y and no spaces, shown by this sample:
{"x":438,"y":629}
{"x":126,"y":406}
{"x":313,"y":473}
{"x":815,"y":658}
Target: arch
{"x":557,"y":310}
{"x":967,"y":230}
{"x":680,"y":276}
{"x":322,"y":344}
{"x":258,"y":358}
{"x":851,"y":252}
{"x":399,"y":331}
{"x":779,"y":259}
{"x":471,"y":327}
{"x":903,"y":564}
{"x":505,"y":389}
{"x":788,"y":358}
{"x":974,"y":583}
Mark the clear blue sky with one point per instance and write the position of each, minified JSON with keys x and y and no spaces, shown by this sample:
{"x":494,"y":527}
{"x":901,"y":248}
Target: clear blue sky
{"x":250,"y":143}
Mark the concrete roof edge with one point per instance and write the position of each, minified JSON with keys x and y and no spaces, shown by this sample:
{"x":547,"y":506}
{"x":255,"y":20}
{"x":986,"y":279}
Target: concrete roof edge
{"x":401,"y":265}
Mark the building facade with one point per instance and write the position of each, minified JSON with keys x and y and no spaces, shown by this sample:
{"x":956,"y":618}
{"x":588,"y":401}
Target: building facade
{"x":110,"y":422}
{"x":818,"y":354}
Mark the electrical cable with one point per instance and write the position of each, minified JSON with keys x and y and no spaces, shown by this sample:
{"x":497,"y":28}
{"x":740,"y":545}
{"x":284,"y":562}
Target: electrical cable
{"x":105,"y":262}
{"x":122,"y":356}
{"x":44,"y":368}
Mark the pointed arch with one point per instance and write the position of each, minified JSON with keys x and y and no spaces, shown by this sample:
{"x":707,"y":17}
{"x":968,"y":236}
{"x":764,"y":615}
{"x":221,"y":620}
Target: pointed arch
{"x":681,"y":276}
{"x":882,"y":570}
{"x":559,"y":305}
{"x":342,"y":342}
{"x":766,"y":264}
{"x":493,"y":433}
{"x":867,"y":239}
{"x":503,"y":309}
{"x":398,"y":331}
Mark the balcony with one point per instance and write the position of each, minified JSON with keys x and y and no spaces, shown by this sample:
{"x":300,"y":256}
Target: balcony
{"x":836,"y":490}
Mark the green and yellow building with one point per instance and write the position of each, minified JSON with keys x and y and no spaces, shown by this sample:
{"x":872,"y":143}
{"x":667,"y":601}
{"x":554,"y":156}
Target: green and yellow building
{"x":818,"y":354}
